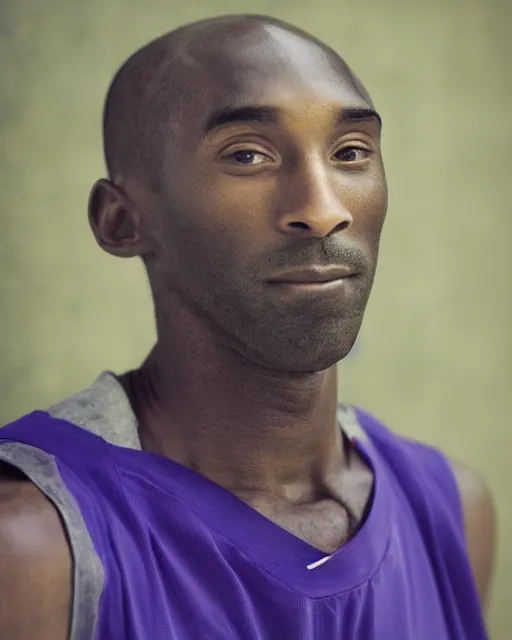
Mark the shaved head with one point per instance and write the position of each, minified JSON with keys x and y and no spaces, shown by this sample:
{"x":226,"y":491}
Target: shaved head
{"x":240,"y":148}
{"x":161,"y":79}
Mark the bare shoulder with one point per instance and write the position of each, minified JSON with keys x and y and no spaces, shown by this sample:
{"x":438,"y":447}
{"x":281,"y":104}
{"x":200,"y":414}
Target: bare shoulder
{"x":480,"y":525}
{"x":35,"y":563}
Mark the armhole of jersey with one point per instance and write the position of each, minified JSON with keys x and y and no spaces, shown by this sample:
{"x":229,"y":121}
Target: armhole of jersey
{"x":88,"y":573}
{"x":456,"y":495}
{"x":434,"y":461}
{"x":440,"y":469}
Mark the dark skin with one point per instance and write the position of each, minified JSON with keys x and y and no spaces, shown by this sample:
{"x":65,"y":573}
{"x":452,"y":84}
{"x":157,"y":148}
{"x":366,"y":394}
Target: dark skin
{"x":310,"y":190}
{"x":241,"y":385}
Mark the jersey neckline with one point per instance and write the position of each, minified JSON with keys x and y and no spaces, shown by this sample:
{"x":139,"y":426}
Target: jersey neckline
{"x":269,"y":546}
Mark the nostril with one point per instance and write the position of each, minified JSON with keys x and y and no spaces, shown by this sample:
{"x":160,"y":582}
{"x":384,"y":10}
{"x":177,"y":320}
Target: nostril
{"x":340,"y":227}
{"x":299,"y":225}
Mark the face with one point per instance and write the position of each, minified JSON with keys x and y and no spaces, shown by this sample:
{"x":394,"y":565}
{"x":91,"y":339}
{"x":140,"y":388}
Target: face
{"x":273,"y":201}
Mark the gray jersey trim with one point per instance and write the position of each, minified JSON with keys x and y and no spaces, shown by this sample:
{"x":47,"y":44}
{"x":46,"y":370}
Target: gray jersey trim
{"x":349,"y":422}
{"x":88,"y":573}
{"x":103,"y":409}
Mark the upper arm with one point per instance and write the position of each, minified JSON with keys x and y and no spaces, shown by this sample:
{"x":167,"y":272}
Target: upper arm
{"x":35,"y":563}
{"x":480,"y":526}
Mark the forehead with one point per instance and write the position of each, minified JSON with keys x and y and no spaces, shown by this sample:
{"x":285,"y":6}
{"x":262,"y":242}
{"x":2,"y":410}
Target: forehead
{"x":266,"y":66}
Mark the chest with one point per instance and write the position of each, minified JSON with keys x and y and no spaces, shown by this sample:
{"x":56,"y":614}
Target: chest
{"x":328,"y":523}
{"x":325,"y":525}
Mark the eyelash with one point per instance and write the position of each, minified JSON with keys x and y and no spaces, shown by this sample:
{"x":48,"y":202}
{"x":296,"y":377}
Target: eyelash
{"x":248,"y":150}
{"x":367,"y":152}
{"x":256,"y":152}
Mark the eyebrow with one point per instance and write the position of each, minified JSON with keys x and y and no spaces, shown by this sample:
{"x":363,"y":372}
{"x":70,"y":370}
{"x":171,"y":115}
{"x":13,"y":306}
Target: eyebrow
{"x":358,"y":114}
{"x":235,"y":115}
{"x":270,"y":115}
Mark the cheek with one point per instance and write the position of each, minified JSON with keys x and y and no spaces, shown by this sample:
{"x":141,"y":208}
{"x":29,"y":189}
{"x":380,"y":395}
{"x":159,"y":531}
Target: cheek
{"x":232,"y":216}
{"x":366,"y":197}
{"x":209,"y":226}
{"x":205,"y":247}
{"x":243,"y":203}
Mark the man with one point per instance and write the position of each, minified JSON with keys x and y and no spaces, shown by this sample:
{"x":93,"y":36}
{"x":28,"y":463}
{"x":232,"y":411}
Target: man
{"x":219,"y":491}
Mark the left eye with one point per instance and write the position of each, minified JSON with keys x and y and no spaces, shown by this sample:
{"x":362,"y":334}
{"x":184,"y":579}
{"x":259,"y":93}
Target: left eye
{"x":248,"y":157}
{"x":351,"y":154}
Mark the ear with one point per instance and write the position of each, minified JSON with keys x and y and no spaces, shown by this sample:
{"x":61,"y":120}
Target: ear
{"x":115,"y":221}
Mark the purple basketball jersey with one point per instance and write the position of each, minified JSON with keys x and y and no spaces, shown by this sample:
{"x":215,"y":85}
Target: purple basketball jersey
{"x":162,"y":553}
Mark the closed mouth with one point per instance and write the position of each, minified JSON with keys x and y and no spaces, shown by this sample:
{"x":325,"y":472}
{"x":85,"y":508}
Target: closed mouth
{"x":313,"y":276}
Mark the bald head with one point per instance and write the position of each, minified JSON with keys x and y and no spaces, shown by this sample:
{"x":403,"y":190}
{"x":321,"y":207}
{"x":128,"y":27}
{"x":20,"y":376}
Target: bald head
{"x":168,"y":75}
{"x":239,"y":148}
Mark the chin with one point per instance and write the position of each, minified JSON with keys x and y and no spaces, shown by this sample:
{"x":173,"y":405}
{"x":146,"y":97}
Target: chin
{"x":304,"y":356}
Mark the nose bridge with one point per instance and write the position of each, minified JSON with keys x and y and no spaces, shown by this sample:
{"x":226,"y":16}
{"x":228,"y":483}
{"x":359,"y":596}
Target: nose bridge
{"x":314,"y":205}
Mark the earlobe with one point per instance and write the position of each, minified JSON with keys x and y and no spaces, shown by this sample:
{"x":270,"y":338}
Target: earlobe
{"x":115,"y":220}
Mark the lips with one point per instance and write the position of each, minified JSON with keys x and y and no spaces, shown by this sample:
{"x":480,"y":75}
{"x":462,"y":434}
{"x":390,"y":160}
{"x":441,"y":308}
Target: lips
{"x":313,"y":275}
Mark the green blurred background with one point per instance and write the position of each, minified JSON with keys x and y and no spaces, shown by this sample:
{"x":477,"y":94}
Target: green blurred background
{"x":434,"y":360}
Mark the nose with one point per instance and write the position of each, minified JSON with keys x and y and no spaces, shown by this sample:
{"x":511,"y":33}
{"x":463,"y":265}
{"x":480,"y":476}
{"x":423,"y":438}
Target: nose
{"x":312,"y":205}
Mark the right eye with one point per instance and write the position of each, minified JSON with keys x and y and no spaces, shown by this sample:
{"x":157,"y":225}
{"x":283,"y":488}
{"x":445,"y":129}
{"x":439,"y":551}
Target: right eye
{"x":247,"y":157}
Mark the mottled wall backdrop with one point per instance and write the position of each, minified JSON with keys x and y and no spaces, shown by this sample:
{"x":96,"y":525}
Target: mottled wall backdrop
{"x":434,"y":358}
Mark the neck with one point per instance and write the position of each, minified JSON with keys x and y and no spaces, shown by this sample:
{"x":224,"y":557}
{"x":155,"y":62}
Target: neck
{"x":248,"y":429}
